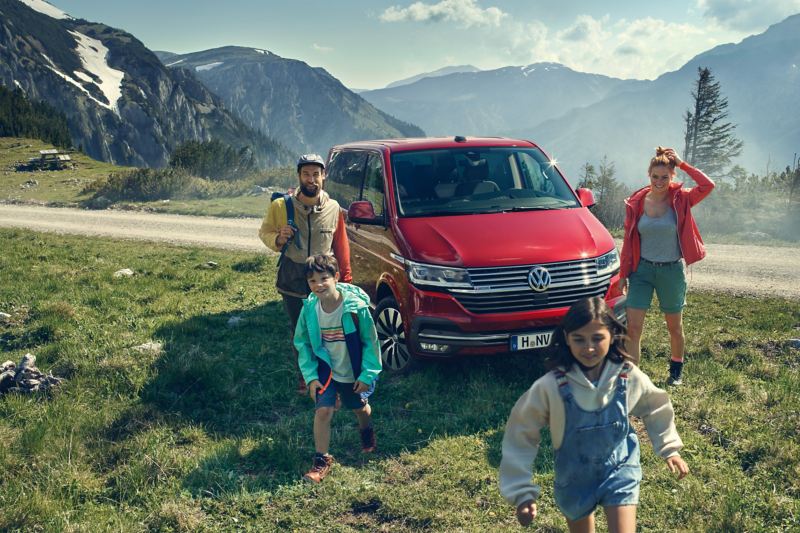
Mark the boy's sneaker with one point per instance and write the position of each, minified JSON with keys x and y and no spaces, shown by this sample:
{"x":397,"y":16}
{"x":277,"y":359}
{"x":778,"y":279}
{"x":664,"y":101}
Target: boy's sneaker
{"x":368,"y":440}
{"x":675,"y":370}
{"x":320,"y":468}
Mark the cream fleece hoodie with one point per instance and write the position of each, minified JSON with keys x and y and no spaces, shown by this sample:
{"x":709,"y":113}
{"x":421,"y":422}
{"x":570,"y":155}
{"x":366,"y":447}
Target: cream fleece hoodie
{"x":541,"y":406}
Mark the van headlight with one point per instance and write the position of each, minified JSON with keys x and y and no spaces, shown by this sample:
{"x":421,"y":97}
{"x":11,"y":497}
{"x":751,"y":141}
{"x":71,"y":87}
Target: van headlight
{"x":608,"y":263}
{"x":437,"y":276}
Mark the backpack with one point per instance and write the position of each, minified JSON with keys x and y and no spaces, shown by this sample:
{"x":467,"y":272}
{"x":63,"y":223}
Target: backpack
{"x":287,"y":198}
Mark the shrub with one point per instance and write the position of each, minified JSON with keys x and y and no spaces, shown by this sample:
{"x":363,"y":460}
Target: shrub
{"x":147,"y":184}
{"x":213,"y":160}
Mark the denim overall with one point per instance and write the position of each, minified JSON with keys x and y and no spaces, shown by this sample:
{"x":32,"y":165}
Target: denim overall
{"x":598,"y":461}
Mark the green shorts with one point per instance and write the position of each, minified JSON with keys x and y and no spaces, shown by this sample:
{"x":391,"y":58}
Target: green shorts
{"x":669,"y":282}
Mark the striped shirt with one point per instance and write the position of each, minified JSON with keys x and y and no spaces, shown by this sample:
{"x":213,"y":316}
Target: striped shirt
{"x":330,"y":324}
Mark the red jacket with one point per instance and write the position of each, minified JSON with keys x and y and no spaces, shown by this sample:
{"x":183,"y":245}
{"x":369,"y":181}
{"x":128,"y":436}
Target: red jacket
{"x":692,"y":248}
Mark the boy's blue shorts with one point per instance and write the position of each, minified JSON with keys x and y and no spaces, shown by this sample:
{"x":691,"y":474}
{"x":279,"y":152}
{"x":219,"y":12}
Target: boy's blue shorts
{"x":668,"y":281}
{"x":350,"y":399}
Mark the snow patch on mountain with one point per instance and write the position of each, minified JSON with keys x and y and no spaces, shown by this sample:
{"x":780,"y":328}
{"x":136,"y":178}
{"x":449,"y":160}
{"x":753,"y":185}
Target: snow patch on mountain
{"x":175,"y":62}
{"x":93,"y":55}
{"x":93,"y":58}
{"x":47,"y":8}
{"x":208,"y":66}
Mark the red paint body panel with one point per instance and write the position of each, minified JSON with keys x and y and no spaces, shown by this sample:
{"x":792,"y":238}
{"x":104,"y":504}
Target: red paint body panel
{"x":503,"y":239}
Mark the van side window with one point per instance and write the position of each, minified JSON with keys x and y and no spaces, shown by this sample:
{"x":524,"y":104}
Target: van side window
{"x":373,"y":184}
{"x":345,"y":176}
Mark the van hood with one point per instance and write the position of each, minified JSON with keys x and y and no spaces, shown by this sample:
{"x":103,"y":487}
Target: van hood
{"x":504,"y":239}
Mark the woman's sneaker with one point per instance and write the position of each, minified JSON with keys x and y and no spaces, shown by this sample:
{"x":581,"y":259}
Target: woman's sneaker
{"x":368,"y":442}
{"x":319,"y":469}
{"x":675,"y":370}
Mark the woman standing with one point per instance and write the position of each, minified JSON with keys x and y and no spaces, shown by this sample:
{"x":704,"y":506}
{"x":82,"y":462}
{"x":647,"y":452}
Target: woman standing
{"x":659,"y":232}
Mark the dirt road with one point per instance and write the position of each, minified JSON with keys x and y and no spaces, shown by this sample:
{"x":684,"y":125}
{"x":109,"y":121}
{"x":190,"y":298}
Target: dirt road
{"x":753,"y":270}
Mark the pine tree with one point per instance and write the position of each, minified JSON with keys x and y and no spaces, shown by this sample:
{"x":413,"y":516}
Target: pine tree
{"x":588,"y":176}
{"x":710,"y":141}
{"x":20,"y":117}
{"x":609,"y":193}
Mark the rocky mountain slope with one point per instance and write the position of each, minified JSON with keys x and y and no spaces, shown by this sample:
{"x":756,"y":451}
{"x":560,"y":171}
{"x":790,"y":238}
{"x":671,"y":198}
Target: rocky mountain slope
{"x":492,"y":102}
{"x":305,"y":107}
{"x":121,"y":103}
{"x":760,"y":77}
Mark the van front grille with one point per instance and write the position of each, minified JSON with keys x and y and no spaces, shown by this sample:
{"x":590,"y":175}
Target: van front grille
{"x":506,"y":289}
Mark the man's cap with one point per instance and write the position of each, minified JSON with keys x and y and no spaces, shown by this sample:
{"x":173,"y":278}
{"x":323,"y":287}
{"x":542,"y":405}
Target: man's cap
{"x":310,"y":159}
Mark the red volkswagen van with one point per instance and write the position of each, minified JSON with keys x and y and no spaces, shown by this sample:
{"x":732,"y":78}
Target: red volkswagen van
{"x":468,"y":245}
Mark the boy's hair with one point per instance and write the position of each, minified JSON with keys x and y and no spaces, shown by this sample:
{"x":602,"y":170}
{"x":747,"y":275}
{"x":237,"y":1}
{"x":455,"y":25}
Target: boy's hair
{"x":321,"y":263}
{"x":581,"y":313}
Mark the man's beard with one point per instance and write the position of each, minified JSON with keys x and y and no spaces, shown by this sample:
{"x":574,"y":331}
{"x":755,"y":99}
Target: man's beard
{"x":308,"y":193}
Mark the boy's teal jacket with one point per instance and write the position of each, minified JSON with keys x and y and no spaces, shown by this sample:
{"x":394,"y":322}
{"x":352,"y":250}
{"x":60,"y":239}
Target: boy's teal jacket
{"x":315,"y":361}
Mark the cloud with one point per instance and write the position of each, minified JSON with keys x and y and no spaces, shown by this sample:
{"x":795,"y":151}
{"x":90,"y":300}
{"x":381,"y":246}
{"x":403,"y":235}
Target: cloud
{"x":581,"y":30}
{"x":641,"y":48}
{"x":627,"y":50}
{"x":748,"y":15}
{"x":320,"y":48}
{"x":466,"y":13}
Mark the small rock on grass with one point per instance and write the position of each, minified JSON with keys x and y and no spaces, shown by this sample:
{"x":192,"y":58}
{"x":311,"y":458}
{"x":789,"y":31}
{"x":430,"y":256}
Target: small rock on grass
{"x":25,"y":377}
{"x":125,"y":272}
{"x":151,"y":346}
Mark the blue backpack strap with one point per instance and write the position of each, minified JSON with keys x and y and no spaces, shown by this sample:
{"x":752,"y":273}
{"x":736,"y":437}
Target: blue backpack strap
{"x":287,"y":198}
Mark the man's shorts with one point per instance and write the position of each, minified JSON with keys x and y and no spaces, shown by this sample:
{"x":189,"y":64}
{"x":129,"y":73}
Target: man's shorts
{"x":668,"y":281}
{"x":350,"y":399}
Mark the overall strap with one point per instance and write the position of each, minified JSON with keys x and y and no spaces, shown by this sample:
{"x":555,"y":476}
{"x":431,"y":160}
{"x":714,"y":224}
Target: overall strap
{"x":563,"y":384}
{"x":622,"y":385}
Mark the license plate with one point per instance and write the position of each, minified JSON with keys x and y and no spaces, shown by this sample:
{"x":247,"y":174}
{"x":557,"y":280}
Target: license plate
{"x":531,"y":341}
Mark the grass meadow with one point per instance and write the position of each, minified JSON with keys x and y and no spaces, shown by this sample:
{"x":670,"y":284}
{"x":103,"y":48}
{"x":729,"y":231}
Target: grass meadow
{"x":207,"y":433}
{"x":75,"y":187}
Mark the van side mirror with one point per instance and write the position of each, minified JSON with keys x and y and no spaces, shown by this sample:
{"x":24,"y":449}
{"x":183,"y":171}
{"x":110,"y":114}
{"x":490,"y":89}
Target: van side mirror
{"x":586,"y":196}
{"x":362,"y":212}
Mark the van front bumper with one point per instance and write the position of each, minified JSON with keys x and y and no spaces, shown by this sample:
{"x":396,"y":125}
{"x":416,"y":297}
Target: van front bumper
{"x":443,"y":337}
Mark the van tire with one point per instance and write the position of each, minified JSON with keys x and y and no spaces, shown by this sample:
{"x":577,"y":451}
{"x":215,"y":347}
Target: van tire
{"x":392,"y":339}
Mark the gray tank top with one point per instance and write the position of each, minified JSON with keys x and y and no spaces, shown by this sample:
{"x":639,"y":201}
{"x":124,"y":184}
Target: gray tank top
{"x":660,"y":237}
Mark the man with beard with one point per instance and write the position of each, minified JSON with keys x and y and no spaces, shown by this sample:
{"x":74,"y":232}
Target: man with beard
{"x":318,"y":229}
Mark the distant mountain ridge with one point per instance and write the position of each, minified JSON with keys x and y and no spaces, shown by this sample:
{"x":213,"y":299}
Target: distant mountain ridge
{"x":121,"y":103}
{"x":434,"y":74}
{"x":759,"y":76}
{"x":579,"y":117}
{"x":305,"y":107}
{"x":492,"y":102}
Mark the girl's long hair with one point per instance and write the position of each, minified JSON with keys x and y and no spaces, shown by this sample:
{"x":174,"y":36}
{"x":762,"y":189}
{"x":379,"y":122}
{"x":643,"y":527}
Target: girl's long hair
{"x":661,"y":159}
{"x":581,"y":313}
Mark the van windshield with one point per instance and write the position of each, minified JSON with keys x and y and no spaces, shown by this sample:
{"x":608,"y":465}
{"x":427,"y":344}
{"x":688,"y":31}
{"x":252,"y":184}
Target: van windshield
{"x":457,"y":181}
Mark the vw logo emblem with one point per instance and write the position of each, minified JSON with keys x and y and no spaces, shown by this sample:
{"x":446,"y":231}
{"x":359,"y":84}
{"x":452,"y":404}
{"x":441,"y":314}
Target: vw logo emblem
{"x":539,"y":278}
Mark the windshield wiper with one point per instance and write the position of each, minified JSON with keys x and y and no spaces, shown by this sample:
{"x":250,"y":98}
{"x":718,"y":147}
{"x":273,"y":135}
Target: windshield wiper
{"x":532,"y":208}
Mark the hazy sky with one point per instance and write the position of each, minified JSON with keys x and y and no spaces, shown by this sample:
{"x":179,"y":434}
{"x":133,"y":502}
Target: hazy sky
{"x":369,"y":43}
